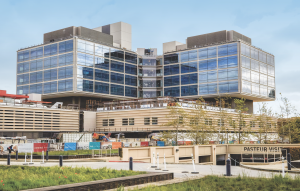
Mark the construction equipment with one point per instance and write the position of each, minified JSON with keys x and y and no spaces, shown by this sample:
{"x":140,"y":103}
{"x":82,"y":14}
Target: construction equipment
{"x":101,"y":137}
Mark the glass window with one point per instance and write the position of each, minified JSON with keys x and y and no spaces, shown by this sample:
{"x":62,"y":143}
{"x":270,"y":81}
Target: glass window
{"x":189,"y":79}
{"x":254,"y":53}
{"x":47,"y":50}
{"x":65,"y":72}
{"x":33,"y":65}
{"x":84,"y":85}
{"x":89,"y":47}
{"x":203,"y":89}
{"x":172,"y":92}
{"x":39,"y":64}
{"x":117,"y":54}
{"x":33,"y":77}
{"x":20,"y":68}
{"x":53,"y":49}
{"x":66,"y":59}
{"x":212,"y":76}
{"x":271,"y":71}
{"x":189,"y":67}
{"x":212,"y":52}
{"x":130,"y":91}
{"x":232,"y":49}
{"x":184,"y":56}
{"x":264,"y":90}
{"x":101,"y":88}
{"x":130,"y":69}
{"x":254,"y":65}
{"x":232,"y":61}
{"x":65,"y":85}
{"x":47,"y":63}
{"x":271,"y":92}
{"x":117,"y":66}
{"x":255,"y":77}
{"x":262,"y":57}
{"x":117,"y":78}
{"x":22,"y":90}
{"x":171,"y":70}
{"x":33,"y":54}
{"x":222,"y":75}
{"x":53,"y":61}
{"x":85,"y":59}
{"x":101,"y":75}
{"x":223,"y":50}
{"x":263,"y":79}
{"x":246,"y":87}
{"x":148,"y":72}
{"x":245,"y":62}
{"x":101,"y":63}
{"x":189,"y":90}
{"x":212,"y":64}
{"x":232,"y":74}
{"x":171,"y":58}
{"x":116,"y":90}
{"x":105,"y":122}
{"x":271,"y":81}
{"x":84,"y":72}
{"x":270,"y":59}
{"x":203,"y":77}
{"x":246,"y":74}
{"x":147,"y":121}
{"x":154,"y":120}
{"x":125,"y":121}
{"x":53,"y":74}
{"x":212,"y":88}
{"x":245,"y":49}
{"x":233,"y":86}
{"x":203,"y":65}
{"x":130,"y":80}
{"x":50,"y":87}
{"x":222,"y":62}
{"x":192,"y":55}
{"x":23,"y":79}
{"x":81,"y":45}
{"x":39,"y":76}
{"x":255,"y":88}
{"x":171,"y":81}
{"x":202,"y":53}
{"x":36,"y":53}
{"x":149,"y":61}
{"x":98,"y":50}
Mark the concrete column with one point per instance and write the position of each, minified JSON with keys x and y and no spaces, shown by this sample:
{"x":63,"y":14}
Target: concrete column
{"x":213,"y":157}
{"x":196,"y":154}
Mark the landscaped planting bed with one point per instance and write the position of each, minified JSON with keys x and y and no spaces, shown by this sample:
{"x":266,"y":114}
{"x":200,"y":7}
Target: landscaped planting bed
{"x":77,"y":152}
{"x":24,"y":177}
{"x":213,"y":183}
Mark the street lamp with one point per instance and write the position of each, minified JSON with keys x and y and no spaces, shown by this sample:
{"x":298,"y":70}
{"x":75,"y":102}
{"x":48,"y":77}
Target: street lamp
{"x":227,"y":135}
{"x":240,"y":126}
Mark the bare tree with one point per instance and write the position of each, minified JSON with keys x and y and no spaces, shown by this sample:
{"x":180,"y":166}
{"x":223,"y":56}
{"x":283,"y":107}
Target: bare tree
{"x":242,"y":115}
{"x":265,"y":121}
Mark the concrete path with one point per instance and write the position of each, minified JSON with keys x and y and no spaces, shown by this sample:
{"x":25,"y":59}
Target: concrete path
{"x":175,"y":168}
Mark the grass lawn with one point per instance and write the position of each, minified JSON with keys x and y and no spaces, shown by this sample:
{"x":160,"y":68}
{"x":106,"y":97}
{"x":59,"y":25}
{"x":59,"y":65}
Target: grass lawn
{"x":77,"y":152}
{"x":24,"y":177}
{"x":212,"y":183}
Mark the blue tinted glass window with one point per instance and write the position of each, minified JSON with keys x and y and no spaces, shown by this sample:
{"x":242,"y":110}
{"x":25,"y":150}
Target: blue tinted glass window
{"x":192,"y":55}
{"x":39,"y":76}
{"x":130,"y":91}
{"x":232,"y":61}
{"x":232,"y":74}
{"x":189,"y":67}
{"x":47,"y":75}
{"x":54,"y":74}
{"x":171,"y":70}
{"x":33,"y":88}
{"x":101,"y":75}
{"x":130,"y":80}
{"x":84,"y":72}
{"x":26,"y":55}
{"x":222,"y":50}
{"x":53,"y":87}
{"x":232,"y":49}
{"x":117,"y":78}
{"x":131,"y":58}
{"x":212,"y":52}
{"x":203,"y":89}
{"x":222,"y":62}
{"x":84,"y":59}
{"x":53,"y":49}
{"x":26,"y":67}
{"x":99,"y":50}
{"x":117,"y":54}
{"x":22,"y":90}
{"x":189,"y":90}
{"x":33,"y":53}
{"x":233,"y":86}
{"x":20,"y":68}
{"x":65,"y":59}
{"x":202,"y":77}
{"x":39,"y":52}
{"x":116,"y":90}
{"x":69,"y":45}
{"x":223,"y":87}
{"x":130,"y":69}
{"x":33,"y":65}
{"x":117,"y":66}
{"x":23,"y":79}
{"x":39,"y":88}
{"x":87,"y":86}
{"x":172,"y":92}
{"x":39,"y":64}
{"x":222,"y":75}
{"x":65,"y":72}
{"x":167,"y":70}
{"x":106,"y":52}
{"x":212,"y":76}
{"x":203,"y":65}
{"x":47,"y":50}
{"x":184,"y":68}
{"x":65,"y":85}
{"x":202,"y":53}
{"x":53,"y":61}
{"x":171,"y":81}
{"x":184,"y":56}
{"x":212,"y":88}
{"x":171,"y":58}
{"x":101,"y":63}
{"x":20,"y":59}
{"x":189,"y":79}
{"x":33,"y":77}
{"x":62,"y":48}
{"x":47,"y":88}
{"x":212,"y":64}
{"x":101,"y":88}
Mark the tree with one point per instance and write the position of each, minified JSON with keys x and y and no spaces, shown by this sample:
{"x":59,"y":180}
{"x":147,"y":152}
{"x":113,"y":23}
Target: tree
{"x":199,"y":129}
{"x":242,"y":109}
{"x":265,"y":121}
{"x":223,"y":103}
{"x":176,"y":119}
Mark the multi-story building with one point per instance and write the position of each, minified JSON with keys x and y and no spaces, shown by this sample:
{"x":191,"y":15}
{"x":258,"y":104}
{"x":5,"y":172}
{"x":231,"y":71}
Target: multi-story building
{"x":218,"y":64}
{"x":77,"y":64}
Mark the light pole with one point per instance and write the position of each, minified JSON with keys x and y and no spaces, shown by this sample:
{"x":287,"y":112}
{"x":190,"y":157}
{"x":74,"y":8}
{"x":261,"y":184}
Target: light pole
{"x":240,"y":126}
{"x":227,"y":135}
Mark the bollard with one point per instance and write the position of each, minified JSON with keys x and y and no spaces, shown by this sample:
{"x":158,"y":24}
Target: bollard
{"x":43,"y":162}
{"x":130,"y":164}
{"x":228,"y":168}
{"x":8,"y":159}
{"x":60,"y":160}
{"x":165,"y":163}
{"x":289,"y":161}
{"x":31,"y":162}
{"x":283,"y":167}
{"x":153,"y":166}
{"x":17,"y":155}
{"x":25,"y":159}
{"x":194,"y":166}
{"x":47,"y":156}
{"x":157,"y":162}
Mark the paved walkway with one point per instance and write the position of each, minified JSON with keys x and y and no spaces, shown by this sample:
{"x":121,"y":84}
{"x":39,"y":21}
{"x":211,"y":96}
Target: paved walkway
{"x":175,"y":168}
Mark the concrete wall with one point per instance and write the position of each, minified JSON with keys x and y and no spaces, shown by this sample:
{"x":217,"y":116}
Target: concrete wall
{"x":89,"y":121}
{"x":170,"y":46}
